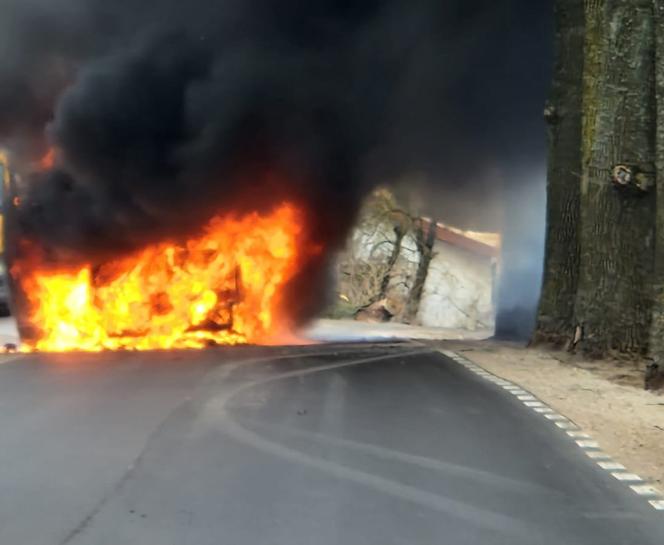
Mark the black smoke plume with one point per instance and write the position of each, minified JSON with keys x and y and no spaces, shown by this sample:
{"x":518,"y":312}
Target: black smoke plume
{"x":165,"y":112}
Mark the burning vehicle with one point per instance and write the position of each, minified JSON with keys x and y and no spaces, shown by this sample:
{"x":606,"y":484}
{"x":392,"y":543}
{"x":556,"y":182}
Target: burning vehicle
{"x":223,"y":286}
{"x":180,"y":197}
{"x":225,"y":282}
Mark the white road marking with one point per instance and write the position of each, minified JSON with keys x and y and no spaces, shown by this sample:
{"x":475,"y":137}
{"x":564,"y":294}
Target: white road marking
{"x":518,"y":392}
{"x":533,"y":404}
{"x":597,"y":455}
{"x":627,"y":477}
{"x":526,"y":398}
{"x":555,"y":416}
{"x":543,"y":410}
{"x":578,"y":434}
{"x":512,"y":387}
{"x":657,"y":504}
{"x":566,"y":425}
{"x":611,"y":466}
{"x":645,"y":490}
{"x":585,"y":443}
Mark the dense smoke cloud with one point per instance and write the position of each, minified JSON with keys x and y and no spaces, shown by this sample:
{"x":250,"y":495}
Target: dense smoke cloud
{"x":164,"y":112}
{"x":195,"y":114}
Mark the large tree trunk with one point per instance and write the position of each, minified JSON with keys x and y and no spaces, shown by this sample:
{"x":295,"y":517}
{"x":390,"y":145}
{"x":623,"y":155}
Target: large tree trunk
{"x":617,"y":202}
{"x":555,"y":318}
{"x":656,"y":374}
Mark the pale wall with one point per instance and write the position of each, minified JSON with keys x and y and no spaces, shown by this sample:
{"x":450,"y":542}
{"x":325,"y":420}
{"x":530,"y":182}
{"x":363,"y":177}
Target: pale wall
{"x":458,"y":290}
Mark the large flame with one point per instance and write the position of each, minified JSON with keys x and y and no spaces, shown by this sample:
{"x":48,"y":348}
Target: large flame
{"x":223,"y":287}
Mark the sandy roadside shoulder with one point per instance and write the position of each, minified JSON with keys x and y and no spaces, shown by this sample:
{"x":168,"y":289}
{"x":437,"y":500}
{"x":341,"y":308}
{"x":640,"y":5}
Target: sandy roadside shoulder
{"x":605,"y":399}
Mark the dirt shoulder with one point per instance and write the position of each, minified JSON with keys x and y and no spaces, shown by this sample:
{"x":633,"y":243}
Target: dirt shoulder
{"x":604,"y":398}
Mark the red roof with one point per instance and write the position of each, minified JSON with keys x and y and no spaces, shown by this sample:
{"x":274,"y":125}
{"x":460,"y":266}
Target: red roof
{"x":444,"y":234}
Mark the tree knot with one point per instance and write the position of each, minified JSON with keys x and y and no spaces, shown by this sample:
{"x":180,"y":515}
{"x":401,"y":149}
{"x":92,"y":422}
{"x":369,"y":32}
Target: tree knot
{"x":631,"y":177}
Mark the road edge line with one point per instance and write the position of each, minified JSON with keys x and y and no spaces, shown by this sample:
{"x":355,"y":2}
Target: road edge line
{"x":582,"y":439}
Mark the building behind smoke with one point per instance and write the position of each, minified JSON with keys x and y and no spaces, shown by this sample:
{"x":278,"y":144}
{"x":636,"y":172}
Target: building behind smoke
{"x":380,"y":264}
{"x":460,"y":289}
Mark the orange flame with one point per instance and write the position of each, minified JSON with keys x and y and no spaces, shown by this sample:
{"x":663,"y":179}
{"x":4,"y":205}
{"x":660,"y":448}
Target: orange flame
{"x":223,"y":287}
{"x":47,"y":162}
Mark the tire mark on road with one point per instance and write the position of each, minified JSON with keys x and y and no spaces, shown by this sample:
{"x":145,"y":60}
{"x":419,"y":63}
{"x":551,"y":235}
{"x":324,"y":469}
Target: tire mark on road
{"x":480,"y":517}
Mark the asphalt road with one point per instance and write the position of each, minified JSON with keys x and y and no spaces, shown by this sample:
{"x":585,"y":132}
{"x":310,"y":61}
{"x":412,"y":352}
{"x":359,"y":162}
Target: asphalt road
{"x":321,"y":445}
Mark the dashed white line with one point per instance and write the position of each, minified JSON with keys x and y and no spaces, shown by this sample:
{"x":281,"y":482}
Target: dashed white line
{"x":578,"y":434}
{"x":626,"y":477}
{"x":586,"y":443}
{"x":611,"y":466}
{"x":645,"y":490}
{"x":582,"y":439}
{"x":597,"y":455}
{"x":566,"y":425}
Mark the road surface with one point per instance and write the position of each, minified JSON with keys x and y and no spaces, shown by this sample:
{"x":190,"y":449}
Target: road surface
{"x":351,"y":444}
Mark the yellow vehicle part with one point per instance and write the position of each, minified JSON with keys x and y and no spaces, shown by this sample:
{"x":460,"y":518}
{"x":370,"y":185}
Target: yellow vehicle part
{"x":4,"y":162}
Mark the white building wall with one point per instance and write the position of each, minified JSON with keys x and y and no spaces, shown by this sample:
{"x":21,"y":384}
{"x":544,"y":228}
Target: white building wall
{"x":458,"y":290}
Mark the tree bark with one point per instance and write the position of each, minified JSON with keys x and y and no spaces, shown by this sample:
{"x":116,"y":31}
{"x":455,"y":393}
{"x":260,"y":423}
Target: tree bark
{"x":613,"y":304}
{"x":399,"y":233}
{"x":426,"y":238}
{"x":656,"y":374}
{"x":555,"y":317}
